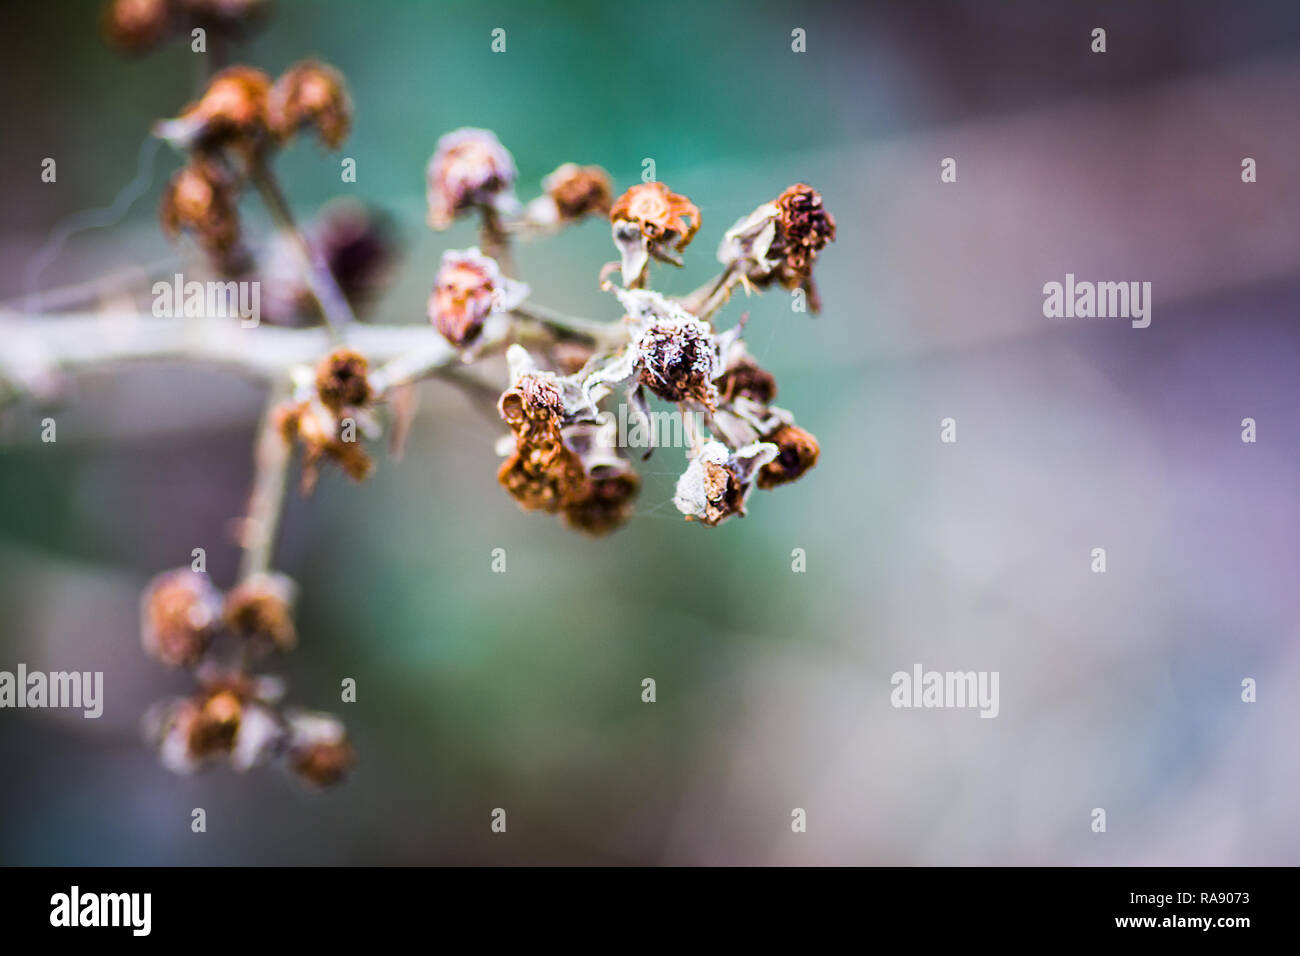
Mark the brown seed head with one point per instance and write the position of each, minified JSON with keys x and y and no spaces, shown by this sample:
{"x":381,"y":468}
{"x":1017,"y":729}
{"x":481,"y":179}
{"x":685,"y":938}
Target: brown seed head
{"x":469,"y":168}
{"x":746,"y":379}
{"x":660,"y":214}
{"x":607,"y":502}
{"x":678,"y":361}
{"x":804,"y":229}
{"x":137,"y":26}
{"x":341,"y":380}
{"x":797,"y":452}
{"x":312,"y":94}
{"x":202,"y":198}
{"x":260,"y":611}
{"x":213,"y":723}
{"x":179,"y":613}
{"x":579,"y":190}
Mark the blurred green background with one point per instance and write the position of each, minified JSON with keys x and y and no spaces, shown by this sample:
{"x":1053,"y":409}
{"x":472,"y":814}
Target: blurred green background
{"x":522,"y":690}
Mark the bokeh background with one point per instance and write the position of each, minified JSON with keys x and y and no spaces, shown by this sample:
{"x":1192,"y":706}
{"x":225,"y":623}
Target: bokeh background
{"x":522,"y":690}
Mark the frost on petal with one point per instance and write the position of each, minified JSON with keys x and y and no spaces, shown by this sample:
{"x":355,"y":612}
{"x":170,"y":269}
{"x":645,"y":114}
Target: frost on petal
{"x":717,"y":481}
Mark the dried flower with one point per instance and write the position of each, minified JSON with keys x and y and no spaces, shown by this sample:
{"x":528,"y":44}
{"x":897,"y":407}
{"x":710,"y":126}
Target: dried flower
{"x":469,"y":288}
{"x":780,"y":240}
{"x":649,"y":220}
{"x":312,"y":94}
{"x":718,"y":481}
{"x":224,"y":720}
{"x":203,"y":198}
{"x":797,"y":451}
{"x":470,"y":168}
{"x":179,"y":613}
{"x":570,"y":193}
{"x":319,"y":750}
{"x":341,"y":380}
{"x":678,"y":360}
{"x":232,"y":112}
{"x":259,"y":611}
{"x":137,"y":26}
{"x":323,"y":437}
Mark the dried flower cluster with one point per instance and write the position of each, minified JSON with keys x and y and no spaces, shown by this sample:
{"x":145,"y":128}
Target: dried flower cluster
{"x":562,"y":455}
{"x":232,"y":716}
{"x":229,"y":135}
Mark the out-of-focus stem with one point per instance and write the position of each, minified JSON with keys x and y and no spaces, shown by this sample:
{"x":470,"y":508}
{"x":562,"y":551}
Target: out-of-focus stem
{"x":494,"y":241}
{"x":601,"y":334}
{"x":333,"y":305}
{"x":271,"y":459}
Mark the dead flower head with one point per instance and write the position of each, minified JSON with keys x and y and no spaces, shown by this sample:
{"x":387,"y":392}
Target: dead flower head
{"x":469,"y":288}
{"x":179,"y":614}
{"x":651,"y":221}
{"x":319,"y":752}
{"x":227,"y":720}
{"x":469,"y":169}
{"x":797,"y":451}
{"x":342,"y":382}
{"x":678,"y":359}
{"x":780,"y":240}
{"x":569,"y":194}
{"x":311,"y":94}
{"x":718,"y":481}
{"x":202,"y":198}
{"x":232,"y":112}
{"x":137,"y":26}
{"x":259,"y":611}
{"x":324,"y":436}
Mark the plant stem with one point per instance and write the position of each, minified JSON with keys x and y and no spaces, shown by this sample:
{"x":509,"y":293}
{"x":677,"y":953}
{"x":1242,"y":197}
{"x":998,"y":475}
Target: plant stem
{"x":271,"y":459}
{"x":333,"y":305}
{"x":601,"y":334}
{"x":494,"y":241}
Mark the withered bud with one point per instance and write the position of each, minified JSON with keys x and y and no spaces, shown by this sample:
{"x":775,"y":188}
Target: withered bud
{"x":319,"y":750}
{"x":323,"y":437}
{"x":202,"y":198}
{"x":678,"y":361}
{"x":648,"y":221}
{"x":232,"y":112}
{"x":259,"y":610}
{"x":718,"y":481}
{"x":779,"y":241}
{"x":579,"y":190}
{"x":179,"y":613}
{"x":606,"y":503}
{"x":746,"y":379}
{"x":805,"y":228}
{"x":341,"y":380}
{"x":469,"y":288}
{"x":797,"y":451}
{"x":469,"y":169}
{"x":534,"y":402}
{"x":215,"y":723}
{"x":312,"y":94}
{"x":137,"y":26}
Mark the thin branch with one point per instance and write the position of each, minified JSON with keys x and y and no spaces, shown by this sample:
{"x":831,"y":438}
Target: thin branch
{"x":333,"y":305}
{"x":600,"y":334}
{"x":272,"y":456}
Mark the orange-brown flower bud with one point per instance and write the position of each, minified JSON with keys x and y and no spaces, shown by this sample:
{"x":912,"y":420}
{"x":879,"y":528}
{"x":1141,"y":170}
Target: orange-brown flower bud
{"x":202,"y":198}
{"x":137,"y":26}
{"x":312,"y":94}
{"x":579,"y":190}
{"x":341,"y":380}
{"x":470,"y":168}
{"x":319,"y":750}
{"x":232,"y":112}
{"x":797,"y":451}
{"x":259,"y":611}
{"x":179,"y":613}
{"x":469,"y":288}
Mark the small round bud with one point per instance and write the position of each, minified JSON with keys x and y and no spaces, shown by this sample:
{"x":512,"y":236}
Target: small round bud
{"x":319,"y":750}
{"x":797,"y":451}
{"x":259,"y":610}
{"x":469,"y":288}
{"x":202,"y":198}
{"x":579,"y":190}
{"x":137,"y":26}
{"x":179,"y":612}
{"x":470,"y":168}
{"x":341,"y":380}
{"x":312,"y":94}
{"x":678,"y":361}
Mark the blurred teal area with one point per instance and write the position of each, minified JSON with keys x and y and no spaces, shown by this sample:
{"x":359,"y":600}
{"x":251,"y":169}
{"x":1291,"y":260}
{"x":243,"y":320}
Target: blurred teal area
{"x":522,"y":690}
